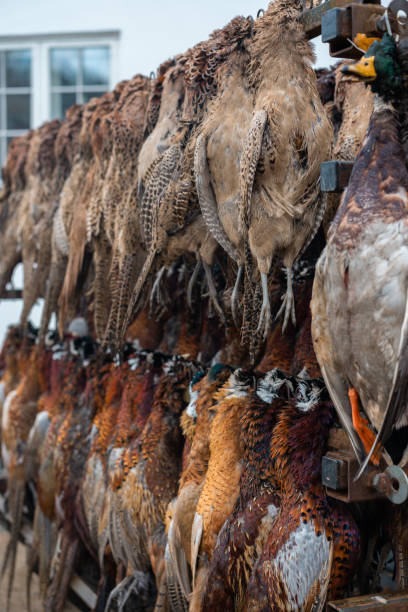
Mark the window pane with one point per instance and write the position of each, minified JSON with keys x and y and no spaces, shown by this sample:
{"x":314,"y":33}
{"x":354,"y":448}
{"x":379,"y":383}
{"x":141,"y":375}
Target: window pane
{"x":18,"y":111}
{"x":18,"y":68}
{"x":95,"y":65}
{"x":64,"y":66}
{"x":60,"y":102}
{"x":87,"y":95}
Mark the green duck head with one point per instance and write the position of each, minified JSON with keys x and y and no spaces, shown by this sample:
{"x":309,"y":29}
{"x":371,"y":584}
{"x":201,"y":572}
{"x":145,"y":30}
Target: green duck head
{"x":380,"y":68}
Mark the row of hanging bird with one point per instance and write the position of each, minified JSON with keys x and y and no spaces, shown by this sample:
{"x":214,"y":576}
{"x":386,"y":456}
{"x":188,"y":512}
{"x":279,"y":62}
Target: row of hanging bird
{"x":187,"y":488}
{"x":215,"y":159}
{"x":213,"y":163}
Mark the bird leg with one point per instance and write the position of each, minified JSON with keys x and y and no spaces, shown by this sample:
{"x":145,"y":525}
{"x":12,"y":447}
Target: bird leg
{"x":212,"y":291}
{"x":191,"y":284}
{"x":234,"y":296}
{"x":361,"y":426}
{"x":121,"y":593}
{"x":265,"y":316}
{"x":156,"y":288}
{"x":288,"y":302}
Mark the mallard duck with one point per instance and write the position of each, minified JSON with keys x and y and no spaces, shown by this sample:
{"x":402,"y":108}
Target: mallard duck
{"x":359,"y":303}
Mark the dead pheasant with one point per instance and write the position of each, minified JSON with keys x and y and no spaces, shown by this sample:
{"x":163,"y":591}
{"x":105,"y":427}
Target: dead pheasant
{"x":39,"y":466}
{"x":19,"y":413}
{"x":66,"y":178}
{"x":221,"y":484}
{"x":38,"y":207}
{"x":196,"y":421}
{"x":74,"y":207}
{"x":317,"y":539}
{"x":68,"y":464}
{"x":10,"y":203}
{"x":118,"y":227}
{"x":246,"y":529}
{"x":168,"y":205}
{"x":153,"y":466}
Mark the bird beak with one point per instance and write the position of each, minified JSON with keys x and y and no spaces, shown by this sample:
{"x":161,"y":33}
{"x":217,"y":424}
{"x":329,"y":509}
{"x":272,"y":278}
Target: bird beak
{"x":364,"y":69}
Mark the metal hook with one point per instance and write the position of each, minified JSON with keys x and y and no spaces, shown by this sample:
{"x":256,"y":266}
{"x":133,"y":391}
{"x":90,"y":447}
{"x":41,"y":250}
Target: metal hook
{"x":260,"y":13}
{"x":387,"y":22}
{"x":251,"y":19}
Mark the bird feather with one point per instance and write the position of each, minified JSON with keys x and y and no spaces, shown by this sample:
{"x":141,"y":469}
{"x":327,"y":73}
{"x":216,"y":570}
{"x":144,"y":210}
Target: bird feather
{"x":207,"y":199}
{"x":196,"y":535}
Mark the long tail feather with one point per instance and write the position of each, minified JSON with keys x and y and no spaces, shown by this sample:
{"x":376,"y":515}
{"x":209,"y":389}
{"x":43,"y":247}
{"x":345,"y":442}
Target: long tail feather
{"x":248,"y":164}
{"x":138,"y":288}
{"x":62,"y":570}
{"x":16,"y":500}
{"x":55,"y":282}
{"x":207,"y":199}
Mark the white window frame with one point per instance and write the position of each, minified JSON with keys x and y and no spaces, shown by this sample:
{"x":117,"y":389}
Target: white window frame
{"x":11,"y":133}
{"x":40,"y":45}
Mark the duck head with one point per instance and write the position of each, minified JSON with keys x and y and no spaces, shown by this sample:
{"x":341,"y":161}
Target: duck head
{"x":380,"y":68}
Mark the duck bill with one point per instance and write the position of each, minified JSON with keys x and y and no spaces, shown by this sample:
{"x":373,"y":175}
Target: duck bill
{"x":363,"y":70}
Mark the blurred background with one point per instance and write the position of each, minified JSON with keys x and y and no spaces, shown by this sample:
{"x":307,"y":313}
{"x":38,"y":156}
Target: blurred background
{"x":57,"y":53}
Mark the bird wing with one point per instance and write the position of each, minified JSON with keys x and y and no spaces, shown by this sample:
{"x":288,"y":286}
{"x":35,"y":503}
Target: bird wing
{"x":248,"y":164}
{"x":174,"y":590}
{"x":176,"y":562}
{"x":397,"y":399}
{"x":159,"y":179}
{"x":151,"y":211}
{"x":196,"y":535}
{"x":323,"y":582}
{"x":341,"y":404}
{"x":207,"y":199}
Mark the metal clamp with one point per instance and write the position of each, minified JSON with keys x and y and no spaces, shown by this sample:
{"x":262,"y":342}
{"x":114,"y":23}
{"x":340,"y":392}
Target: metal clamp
{"x":339,"y":469}
{"x":393,"y":484}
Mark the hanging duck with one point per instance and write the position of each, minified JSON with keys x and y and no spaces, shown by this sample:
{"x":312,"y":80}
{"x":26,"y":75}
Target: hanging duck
{"x":359,"y":303}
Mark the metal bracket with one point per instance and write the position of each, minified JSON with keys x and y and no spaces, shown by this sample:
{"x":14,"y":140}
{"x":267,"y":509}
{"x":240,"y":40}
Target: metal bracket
{"x":335,"y":175}
{"x":311,"y":18}
{"x":339,"y":20}
{"x":340,"y":25}
{"x":339,"y":469}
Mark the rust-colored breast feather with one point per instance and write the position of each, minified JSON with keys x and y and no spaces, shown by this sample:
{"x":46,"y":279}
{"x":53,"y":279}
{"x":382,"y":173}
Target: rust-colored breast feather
{"x":221,"y":485}
{"x":244,"y":533}
{"x":199,"y":454}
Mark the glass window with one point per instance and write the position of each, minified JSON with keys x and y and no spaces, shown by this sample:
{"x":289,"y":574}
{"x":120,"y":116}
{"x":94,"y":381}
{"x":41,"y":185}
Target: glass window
{"x":60,"y":102}
{"x":18,"y":111}
{"x":15,"y":96}
{"x":64,"y":66}
{"x":18,"y":68}
{"x":77,"y":75}
{"x":95,"y":66}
